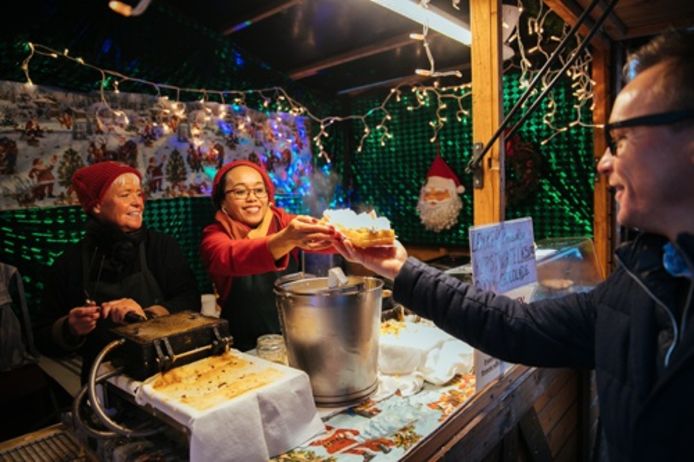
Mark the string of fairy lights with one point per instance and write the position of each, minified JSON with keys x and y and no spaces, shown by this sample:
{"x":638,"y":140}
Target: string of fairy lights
{"x":424,"y":94}
{"x":582,"y":85}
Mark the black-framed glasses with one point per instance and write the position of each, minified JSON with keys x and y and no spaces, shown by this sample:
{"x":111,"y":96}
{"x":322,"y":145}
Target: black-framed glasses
{"x":240,"y":193}
{"x":651,"y":120}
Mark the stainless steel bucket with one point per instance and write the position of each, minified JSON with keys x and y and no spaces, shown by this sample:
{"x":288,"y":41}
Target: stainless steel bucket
{"x":332,"y":334}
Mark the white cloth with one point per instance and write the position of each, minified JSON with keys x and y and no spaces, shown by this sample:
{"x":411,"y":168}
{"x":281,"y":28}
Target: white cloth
{"x":446,"y":360}
{"x":254,"y":426}
{"x":408,"y":385}
{"x":419,"y":352}
{"x":404,"y":351}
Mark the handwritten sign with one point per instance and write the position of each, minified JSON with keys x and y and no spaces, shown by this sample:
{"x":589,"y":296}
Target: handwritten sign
{"x":503,"y":261}
{"x":503,"y":255}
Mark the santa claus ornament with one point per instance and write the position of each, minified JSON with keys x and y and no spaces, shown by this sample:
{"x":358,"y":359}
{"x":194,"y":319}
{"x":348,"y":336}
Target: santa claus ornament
{"x":439,"y":202}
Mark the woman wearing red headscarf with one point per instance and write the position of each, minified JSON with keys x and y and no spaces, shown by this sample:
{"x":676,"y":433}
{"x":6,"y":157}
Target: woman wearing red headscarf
{"x":118,"y":270}
{"x":251,"y":244}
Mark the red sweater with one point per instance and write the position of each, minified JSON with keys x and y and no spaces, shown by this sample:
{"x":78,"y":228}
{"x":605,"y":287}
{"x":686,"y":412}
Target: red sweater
{"x":226,"y":257}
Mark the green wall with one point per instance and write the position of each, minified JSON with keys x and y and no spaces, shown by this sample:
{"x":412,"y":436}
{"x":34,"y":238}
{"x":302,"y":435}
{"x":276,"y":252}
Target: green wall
{"x":389,"y":177}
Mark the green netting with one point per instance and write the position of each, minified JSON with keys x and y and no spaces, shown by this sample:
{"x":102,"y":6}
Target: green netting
{"x":389,"y":177}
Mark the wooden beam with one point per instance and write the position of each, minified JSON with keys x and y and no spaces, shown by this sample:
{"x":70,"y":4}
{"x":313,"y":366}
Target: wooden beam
{"x":535,"y":437}
{"x":485,"y":56}
{"x":271,"y":10}
{"x":602,"y":200}
{"x":352,"y":55}
{"x":658,"y":27}
{"x":613,"y":21}
{"x":569,"y":11}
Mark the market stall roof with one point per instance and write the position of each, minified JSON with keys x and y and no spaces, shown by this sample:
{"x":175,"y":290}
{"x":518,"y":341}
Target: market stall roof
{"x":351,"y":46}
{"x":332,"y":45}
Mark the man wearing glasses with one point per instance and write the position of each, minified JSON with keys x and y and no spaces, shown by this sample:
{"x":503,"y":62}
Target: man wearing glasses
{"x":637,"y":328}
{"x":251,"y":244}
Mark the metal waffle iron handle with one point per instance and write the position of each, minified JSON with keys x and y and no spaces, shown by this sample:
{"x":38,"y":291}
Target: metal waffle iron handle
{"x":115,"y":429}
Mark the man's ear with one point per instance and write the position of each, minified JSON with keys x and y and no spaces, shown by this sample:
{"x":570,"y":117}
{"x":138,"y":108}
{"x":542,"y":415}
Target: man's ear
{"x":96,"y":210}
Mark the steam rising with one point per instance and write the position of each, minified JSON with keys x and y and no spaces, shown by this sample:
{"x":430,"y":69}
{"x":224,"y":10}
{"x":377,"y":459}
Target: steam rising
{"x":322,"y":191}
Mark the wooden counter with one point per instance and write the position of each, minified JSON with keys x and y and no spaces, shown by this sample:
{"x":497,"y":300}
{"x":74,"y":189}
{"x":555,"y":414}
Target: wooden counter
{"x":529,"y":414}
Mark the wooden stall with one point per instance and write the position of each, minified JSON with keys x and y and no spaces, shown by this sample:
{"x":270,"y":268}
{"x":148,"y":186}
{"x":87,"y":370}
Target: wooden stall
{"x":529,"y":413}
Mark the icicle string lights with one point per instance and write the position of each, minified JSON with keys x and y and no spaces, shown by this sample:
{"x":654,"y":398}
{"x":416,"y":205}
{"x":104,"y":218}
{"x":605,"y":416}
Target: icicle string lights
{"x":277,"y":95}
{"x":582,"y":85}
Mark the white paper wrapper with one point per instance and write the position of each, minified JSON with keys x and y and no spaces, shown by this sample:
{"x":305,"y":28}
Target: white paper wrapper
{"x":413,"y":352}
{"x":254,"y":426}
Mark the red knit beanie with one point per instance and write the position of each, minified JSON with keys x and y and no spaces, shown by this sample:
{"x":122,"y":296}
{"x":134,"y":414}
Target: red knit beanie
{"x":216,"y":183}
{"x":91,"y":183}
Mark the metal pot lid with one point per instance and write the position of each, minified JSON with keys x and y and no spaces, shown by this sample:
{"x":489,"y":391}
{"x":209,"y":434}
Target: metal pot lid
{"x":315,"y":286}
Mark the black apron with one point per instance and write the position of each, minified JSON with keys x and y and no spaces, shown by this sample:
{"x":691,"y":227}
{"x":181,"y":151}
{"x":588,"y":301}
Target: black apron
{"x":140,"y":286}
{"x":250,"y":307}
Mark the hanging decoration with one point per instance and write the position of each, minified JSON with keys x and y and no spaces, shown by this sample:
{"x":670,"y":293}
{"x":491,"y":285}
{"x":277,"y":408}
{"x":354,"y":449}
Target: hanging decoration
{"x":439,"y":203}
{"x":523,"y":171}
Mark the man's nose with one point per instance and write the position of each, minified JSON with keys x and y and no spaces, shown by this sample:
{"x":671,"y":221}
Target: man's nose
{"x":605,"y":163}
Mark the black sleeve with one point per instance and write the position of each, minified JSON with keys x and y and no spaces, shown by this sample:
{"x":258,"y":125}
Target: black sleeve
{"x":172,"y":272}
{"x":62,"y":291}
{"x":550,"y":333}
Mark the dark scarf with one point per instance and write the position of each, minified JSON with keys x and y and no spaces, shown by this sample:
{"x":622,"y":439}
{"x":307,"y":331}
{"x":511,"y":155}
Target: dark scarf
{"x":112,"y":251}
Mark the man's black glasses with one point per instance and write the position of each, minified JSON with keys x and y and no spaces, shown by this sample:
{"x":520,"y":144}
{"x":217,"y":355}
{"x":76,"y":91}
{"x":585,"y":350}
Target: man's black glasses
{"x":652,"y":120}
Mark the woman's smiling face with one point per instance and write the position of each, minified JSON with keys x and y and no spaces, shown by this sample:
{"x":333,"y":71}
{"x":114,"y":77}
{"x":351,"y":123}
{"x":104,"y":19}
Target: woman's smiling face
{"x":245,"y":195}
{"x":123,"y":203}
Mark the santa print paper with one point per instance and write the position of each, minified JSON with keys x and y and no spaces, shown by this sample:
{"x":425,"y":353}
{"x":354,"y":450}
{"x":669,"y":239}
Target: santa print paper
{"x":47,"y":134}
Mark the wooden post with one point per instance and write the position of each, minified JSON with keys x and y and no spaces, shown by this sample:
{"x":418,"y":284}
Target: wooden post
{"x":485,"y":20}
{"x":602,"y":201}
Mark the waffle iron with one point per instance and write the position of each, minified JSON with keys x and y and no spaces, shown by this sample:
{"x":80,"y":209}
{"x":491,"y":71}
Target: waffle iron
{"x":163,"y":343}
{"x":143,"y":349}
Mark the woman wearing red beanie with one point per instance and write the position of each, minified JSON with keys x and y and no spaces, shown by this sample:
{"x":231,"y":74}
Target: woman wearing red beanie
{"x":251,"y":244}
{"x":118,"y":268}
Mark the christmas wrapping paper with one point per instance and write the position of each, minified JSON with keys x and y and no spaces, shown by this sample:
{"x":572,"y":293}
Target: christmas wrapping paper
{"x":387,"y":430}
{"x":434,"y":381}
{"x":46,"y":134}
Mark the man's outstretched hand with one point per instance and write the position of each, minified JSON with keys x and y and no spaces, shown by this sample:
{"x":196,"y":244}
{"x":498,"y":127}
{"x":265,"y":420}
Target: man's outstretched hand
{"x":383,"y":260}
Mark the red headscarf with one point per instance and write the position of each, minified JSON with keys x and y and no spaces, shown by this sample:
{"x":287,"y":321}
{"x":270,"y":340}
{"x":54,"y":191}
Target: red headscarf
{"x":216,"y":183}
{"x":91,"y":183}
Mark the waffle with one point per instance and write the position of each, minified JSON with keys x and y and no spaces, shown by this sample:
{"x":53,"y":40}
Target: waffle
{"x":212,"y":381}
{"x":362,"y":230}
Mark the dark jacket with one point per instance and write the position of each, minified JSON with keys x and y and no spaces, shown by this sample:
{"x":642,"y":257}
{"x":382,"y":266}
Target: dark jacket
{"x":629,"y":329}
{"x":65,"y":288}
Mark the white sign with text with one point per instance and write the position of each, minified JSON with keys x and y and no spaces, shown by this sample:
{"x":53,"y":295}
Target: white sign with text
{"x":503,"y":261}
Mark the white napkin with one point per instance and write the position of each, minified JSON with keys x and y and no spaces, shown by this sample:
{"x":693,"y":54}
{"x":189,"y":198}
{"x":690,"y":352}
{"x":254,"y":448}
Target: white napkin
{"x":446,"y":360}
{"x":405,"y":351}
{"x":420,"y":352}
{"x":408,"y":384}
{"x":254,"y":426}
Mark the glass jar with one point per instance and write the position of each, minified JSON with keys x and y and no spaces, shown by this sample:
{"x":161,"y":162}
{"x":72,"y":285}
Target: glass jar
{"x":271,"y":347}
